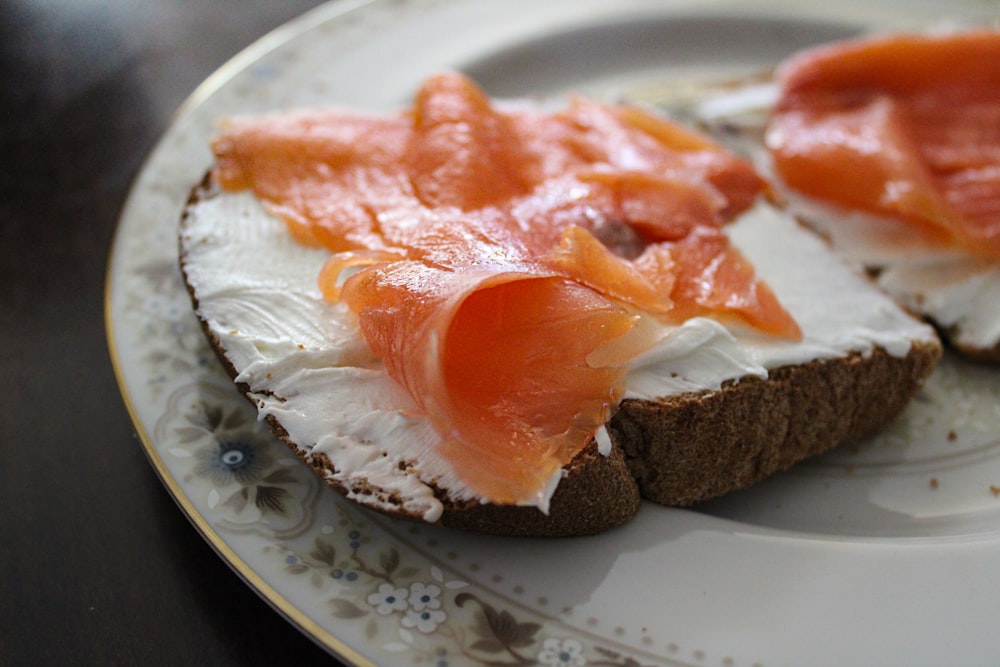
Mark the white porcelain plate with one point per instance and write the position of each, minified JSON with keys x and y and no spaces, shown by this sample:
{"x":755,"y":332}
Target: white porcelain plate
{"x":886,"y":552}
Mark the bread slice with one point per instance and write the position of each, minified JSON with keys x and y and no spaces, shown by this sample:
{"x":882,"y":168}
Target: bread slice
{"x":958,"y":293}
{"x":709,"y":411}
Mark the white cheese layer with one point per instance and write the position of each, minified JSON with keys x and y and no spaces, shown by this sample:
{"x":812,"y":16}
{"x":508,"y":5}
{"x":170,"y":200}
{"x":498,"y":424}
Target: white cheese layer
{"x":307,"y":365}
{"x":959,"y":292}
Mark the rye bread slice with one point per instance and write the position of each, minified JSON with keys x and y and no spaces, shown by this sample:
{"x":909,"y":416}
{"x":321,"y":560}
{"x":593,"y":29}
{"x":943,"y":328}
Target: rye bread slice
{"x":676,"y":450}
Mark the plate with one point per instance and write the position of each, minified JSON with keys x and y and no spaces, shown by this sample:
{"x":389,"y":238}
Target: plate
{"x":881,"y":552}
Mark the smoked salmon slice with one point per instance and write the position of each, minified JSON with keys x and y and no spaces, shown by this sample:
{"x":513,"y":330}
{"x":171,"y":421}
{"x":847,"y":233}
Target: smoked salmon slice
{"x":906,"y":127}
{"x":486,"y":353}
{"x":505,"y":263}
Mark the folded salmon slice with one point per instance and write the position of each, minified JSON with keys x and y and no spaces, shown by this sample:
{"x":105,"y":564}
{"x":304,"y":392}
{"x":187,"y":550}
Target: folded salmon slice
{"x":502,"y":262}
{"x":906,"y":127}
{"x":497,"y":360}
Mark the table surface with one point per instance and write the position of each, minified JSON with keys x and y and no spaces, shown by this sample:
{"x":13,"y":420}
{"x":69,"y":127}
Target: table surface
{"x":99,"y":566}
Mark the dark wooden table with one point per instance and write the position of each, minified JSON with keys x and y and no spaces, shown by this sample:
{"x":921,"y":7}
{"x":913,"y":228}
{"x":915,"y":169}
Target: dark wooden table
{"x":98,"y":566}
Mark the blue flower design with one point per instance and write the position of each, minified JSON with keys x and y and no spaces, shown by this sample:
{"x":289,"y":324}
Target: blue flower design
{"x":426,"y":621}
{"x":389,"y":599}
{"x":424,"y":597}
{"x":233,"y":461}
{"x":562,"y":653}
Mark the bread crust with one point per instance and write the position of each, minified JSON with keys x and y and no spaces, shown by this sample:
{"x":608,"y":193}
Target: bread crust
{"x":677,"y":450}
{"x":696,"y":446}
{"x":970,"y":352}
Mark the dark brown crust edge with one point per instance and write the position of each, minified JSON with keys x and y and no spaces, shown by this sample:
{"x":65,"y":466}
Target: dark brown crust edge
{"x":693,"y":447}
{"x":682,"y":449}
{"x":976,"y":354}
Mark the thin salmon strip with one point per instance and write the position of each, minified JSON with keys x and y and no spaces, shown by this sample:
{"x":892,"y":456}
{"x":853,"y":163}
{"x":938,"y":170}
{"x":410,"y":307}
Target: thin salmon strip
{"x":460,"y":152}
{"x":501,"y":262}
{"x":713,"y":278}
{"x":582,"y":257}
{"x":318,"y":170}
{"x":906,"y":127}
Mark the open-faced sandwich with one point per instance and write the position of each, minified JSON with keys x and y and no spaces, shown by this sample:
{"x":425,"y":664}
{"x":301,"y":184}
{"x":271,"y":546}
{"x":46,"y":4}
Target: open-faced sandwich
{"x":521,"y":321}
{"x":890,"y":147}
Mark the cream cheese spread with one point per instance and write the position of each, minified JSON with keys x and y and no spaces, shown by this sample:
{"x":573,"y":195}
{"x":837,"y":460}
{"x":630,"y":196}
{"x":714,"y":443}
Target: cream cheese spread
{"x":959,"y":292}
{"x":307,"y":366}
